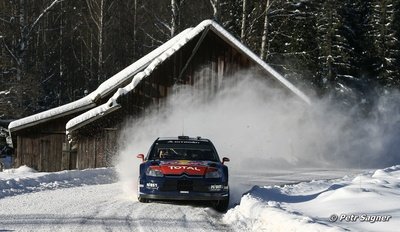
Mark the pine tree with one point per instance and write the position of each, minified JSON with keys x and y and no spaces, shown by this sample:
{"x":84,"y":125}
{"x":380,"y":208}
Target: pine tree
{"x":294,"y":42}
{"x":361,"y":77}
{"x":335,"y":51}
{"x":385,"y":47}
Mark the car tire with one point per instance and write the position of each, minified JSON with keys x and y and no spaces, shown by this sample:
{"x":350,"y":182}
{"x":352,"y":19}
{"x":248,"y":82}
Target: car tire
{"x":143,"y":200}
{"x":222,"y":205}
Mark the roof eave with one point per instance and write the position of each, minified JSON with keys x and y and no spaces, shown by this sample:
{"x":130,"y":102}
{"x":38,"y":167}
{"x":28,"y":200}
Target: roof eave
{"x":33,"y":123}
{"x":227,"y":37}
{"x":94,"y":118}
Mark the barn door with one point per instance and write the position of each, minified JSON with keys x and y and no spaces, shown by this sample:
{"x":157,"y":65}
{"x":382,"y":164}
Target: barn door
{"x":44,"y":155}
{"x":110,"y":146}
{"x":68,"y":159}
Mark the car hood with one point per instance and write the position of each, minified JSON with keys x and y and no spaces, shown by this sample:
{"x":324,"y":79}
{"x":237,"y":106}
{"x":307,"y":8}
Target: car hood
{"x":189,"y":167}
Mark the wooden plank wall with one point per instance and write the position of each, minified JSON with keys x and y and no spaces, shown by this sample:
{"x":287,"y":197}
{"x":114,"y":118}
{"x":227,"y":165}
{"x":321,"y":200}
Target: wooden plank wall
{"x":44,"y":147}
{"x":97,"y":150}
{"x":42,"y":152}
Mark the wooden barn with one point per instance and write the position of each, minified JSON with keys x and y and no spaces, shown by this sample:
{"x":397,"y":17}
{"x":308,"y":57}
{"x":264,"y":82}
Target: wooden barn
{"x":82,"y":134}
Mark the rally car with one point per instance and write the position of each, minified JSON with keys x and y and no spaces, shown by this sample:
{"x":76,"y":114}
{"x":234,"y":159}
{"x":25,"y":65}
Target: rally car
{"x":184,"y":168}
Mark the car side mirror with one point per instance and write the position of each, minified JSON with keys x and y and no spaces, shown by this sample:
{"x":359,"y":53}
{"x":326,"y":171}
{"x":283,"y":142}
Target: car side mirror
{"x":140,"y":156}
{"x":225,"y":159}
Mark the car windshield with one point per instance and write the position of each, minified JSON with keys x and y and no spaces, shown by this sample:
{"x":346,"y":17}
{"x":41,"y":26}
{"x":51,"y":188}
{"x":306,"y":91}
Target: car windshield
{"x":183,"y":152}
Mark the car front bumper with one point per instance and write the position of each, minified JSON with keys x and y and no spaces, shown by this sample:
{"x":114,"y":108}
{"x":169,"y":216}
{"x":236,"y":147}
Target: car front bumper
{"x":172,"y":189}
{"x":185,"y":196}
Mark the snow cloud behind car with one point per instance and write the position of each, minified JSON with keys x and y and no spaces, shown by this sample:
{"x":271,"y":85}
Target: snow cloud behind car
{"x":260,"y":127}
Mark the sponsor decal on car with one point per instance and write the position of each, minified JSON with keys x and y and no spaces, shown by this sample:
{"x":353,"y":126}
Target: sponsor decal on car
{"x":184,"y":162}
{"x":184,"y":168}
{"x":178,"y":167}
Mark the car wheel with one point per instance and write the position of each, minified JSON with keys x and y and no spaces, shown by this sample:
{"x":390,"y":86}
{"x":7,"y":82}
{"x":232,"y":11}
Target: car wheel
{"x":222,"y":205}
{"x":143,"y":200}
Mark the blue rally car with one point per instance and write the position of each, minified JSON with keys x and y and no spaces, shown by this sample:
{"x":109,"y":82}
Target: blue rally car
{"x":183,"y":168}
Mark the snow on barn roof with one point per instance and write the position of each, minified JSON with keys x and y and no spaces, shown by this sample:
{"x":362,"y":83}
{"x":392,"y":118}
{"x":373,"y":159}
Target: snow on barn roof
{"x":105,"y":88}
{"x":112,"y":104}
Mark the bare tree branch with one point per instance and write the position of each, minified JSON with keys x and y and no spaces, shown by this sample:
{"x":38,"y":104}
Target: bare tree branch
{"x":215,"y":6}
{"x":244,"y":15}
{"x":42,"y":14}
{"x":173,"y":17}
{"x":91,"y":12}
{"x":9,"y":51}
{"x":154,"y":39}
{"x":6,"y":21}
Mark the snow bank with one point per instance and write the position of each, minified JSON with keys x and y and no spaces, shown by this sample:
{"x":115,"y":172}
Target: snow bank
{"x":23,"y":171}
{"x":254,"y":214}
{"x":25,"y":180}
{"x":368,"y":202}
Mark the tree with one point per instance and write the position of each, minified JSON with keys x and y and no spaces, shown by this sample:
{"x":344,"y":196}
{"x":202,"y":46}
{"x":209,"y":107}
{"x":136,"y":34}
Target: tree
{"x":216,"y":9}
{"x":26,"y":29}
{"x":244,"y":16}
{"x":95,"y":19}
{"x":292,"y":44}
{"x":23,"y":23}
{"x":174,"y":17}
{"x":335,"y":52}
{"x":54,"y":51}
{"x":96,"y":11}
{"x":268,"y":5}
{"x":385,"y":48}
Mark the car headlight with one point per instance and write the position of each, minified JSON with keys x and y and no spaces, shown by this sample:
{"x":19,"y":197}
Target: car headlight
{"x":154,"y":171}
{"x":213,"y":173}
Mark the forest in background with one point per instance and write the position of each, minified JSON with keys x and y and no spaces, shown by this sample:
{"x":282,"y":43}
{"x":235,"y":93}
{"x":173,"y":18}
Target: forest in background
{"x":55,"y":51}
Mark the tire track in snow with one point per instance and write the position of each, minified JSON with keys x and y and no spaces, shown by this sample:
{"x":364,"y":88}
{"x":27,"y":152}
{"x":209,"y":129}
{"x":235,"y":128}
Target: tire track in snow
{"x":101,"y":208}
{"x":164,"y":216}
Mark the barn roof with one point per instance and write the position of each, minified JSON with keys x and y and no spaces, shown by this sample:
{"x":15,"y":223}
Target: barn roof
{"x":112,"y":105}
{"x":137,"y":71}
{"x":103,"y":90}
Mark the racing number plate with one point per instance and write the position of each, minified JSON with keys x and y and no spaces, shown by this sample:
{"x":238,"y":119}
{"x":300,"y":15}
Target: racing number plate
{"x":185,"y":185}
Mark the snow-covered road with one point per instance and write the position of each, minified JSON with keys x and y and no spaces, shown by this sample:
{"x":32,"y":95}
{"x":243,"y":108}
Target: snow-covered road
{"x":93,"y":200}
{"x":90,"y":200}
{"x":100,"y":208}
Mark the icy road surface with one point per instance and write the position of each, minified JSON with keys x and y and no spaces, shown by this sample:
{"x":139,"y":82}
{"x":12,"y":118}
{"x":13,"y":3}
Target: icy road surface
{"x":100,"y":208}
{"x":93,"y":200}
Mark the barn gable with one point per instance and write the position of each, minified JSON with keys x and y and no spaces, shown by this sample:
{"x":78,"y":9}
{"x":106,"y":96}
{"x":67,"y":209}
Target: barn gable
{"x":204,"y":27}
{"x":93,"y":123}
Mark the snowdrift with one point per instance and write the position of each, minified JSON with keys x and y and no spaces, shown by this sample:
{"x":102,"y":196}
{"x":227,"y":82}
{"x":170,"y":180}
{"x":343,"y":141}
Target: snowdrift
{"x":367,"y":202}
{"x":26,"y":180}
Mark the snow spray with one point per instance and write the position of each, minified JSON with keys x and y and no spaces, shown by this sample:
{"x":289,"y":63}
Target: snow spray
{"x":260,"y":126}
